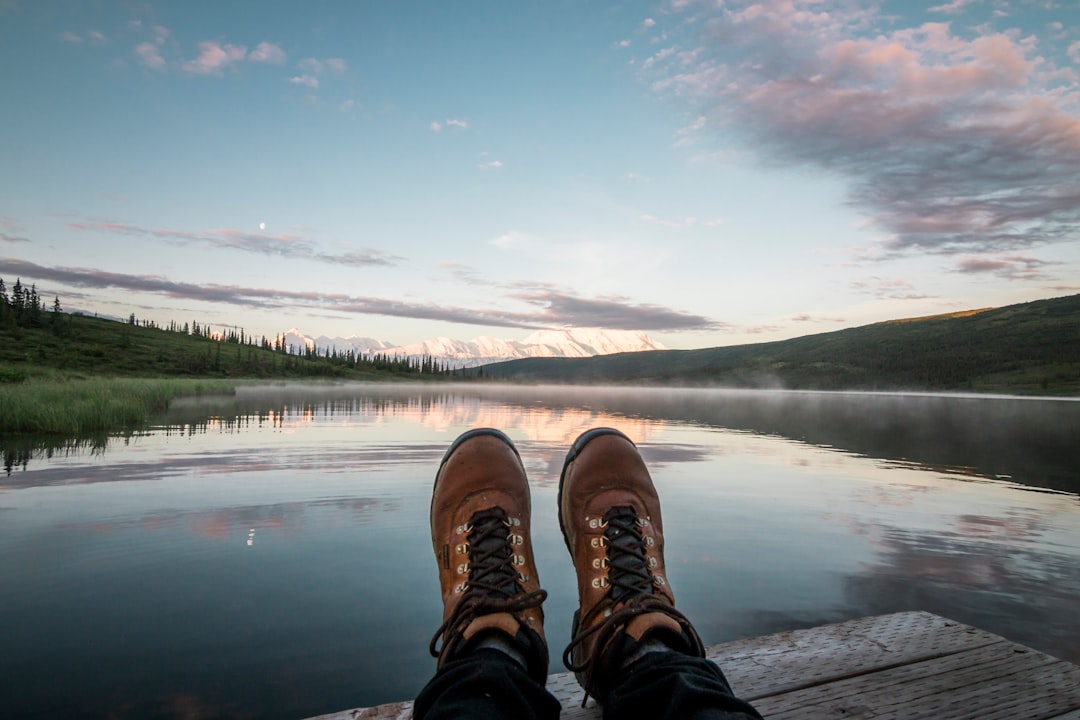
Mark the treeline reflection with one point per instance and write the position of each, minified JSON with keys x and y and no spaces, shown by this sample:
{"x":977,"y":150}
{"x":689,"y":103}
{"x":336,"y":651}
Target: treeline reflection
{"x":1028,"y":441}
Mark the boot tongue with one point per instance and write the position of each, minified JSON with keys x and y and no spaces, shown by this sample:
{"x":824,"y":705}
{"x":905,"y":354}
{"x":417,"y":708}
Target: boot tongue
{"x":491,"y":562}
{"x":627,"y":570}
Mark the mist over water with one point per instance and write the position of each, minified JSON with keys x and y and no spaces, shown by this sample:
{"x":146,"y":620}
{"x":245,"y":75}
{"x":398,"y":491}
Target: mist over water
{"x":268,"y":554}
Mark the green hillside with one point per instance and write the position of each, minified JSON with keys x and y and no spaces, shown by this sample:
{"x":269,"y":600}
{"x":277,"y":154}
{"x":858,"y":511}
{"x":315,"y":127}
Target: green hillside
{"x":78,"y":345}
{"x":1031,"y":348}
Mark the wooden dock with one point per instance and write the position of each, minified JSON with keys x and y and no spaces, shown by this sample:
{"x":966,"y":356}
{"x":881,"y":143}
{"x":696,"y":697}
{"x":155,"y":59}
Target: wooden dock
{"x":906,"y":665}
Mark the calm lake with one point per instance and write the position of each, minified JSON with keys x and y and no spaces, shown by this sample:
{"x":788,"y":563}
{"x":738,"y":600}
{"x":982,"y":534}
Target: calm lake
{"x":268,"y":555}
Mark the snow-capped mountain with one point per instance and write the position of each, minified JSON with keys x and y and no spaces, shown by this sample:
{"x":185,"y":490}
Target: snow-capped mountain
{"x":570,"y":342}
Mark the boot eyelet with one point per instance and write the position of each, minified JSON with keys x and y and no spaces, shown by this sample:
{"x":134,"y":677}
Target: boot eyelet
{"x":599,"y":542}
{"x":642,"y":522}
{"x":461,"y":587}
{"x":600,"y":563}
{"x":519,"y":559}
{"x":652,"y":562}
{"x":463,"y":548}
{"x":649,"y":541}
{"x":463,"y":568}
{"x":516,"y":539}
{"x":523,"y":577}
{"x":600,"y":582}
{"x":659,"y":580}
{"x":464,"y":528}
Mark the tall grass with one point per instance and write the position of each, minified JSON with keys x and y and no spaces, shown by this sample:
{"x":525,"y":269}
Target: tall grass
{"x":93,"y":405}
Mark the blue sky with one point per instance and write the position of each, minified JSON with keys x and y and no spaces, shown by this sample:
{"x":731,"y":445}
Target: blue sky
{"x":708,"y":172}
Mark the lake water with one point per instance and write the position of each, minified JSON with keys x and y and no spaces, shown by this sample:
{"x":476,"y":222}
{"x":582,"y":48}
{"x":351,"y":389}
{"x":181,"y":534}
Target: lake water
{"x":269,"y":555}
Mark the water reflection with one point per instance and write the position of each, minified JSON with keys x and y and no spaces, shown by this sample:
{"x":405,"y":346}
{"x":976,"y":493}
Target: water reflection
{"x":267,"y":555}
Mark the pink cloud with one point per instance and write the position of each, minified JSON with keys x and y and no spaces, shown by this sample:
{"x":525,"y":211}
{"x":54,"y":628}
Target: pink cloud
{"x":948,"y":142}
{"x":266,"y":52}
{"x":214,"y":58}
{"x":1008,"y":267}
{"x":148,"y":55}
{"x":816,"y":319}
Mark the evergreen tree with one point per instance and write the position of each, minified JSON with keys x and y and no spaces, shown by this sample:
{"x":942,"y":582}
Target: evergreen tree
{"x":17,"y":301}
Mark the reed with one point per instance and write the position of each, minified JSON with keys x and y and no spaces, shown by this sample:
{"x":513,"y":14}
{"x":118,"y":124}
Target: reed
{"x":57,"y":405}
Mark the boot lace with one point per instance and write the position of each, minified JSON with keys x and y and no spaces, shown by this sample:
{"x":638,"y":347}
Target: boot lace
{"x":492,"y":583}
{"x":630,"y":595}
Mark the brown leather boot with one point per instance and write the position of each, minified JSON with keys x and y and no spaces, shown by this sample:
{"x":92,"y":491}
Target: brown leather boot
{"x":609,"y":513}
{"x":480,"y":525}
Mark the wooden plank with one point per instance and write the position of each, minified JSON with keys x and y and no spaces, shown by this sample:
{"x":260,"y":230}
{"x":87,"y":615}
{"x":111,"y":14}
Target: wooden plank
{"x":390,"y":711}
{"x":1033,"y":695}
{"x":932,"y":689}
{"x":904,"y":665}
{"x":900,"y":679}
{"x":764,"y":666}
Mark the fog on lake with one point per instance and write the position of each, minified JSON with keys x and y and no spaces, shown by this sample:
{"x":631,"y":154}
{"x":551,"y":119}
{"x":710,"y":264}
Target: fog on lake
{"x":269,"y":555}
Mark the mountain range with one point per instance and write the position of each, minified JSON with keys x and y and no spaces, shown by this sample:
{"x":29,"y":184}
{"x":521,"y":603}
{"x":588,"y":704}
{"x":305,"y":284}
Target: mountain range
{"x":564,"y":343}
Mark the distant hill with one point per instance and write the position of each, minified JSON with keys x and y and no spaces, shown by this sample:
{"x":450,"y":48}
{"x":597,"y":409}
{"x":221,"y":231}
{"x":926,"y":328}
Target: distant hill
{"x":1027,"y":348}
{"x":81,"y":346}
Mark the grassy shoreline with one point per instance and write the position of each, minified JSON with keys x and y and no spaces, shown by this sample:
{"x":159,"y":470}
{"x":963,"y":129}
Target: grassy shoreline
{"x":80,"y":406}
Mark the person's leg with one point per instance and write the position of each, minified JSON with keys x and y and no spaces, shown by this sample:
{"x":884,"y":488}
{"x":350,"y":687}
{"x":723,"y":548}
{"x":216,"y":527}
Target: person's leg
{"x":631,"y":649}
{"x":671,"y":685}
{"x":493,"y":658}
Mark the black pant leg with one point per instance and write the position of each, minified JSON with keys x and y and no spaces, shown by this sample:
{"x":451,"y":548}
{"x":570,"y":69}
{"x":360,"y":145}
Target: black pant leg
{"x":671,"y":686}
{"x":486,"y":684}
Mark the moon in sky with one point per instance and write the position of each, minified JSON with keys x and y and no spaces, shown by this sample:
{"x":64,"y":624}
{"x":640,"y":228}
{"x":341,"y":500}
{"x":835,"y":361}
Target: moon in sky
{"x":262,"y":226}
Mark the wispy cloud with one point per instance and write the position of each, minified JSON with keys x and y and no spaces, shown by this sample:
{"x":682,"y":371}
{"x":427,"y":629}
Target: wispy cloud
{"x":95,"y":36}
{"x":889,"y":289}
{"x":8,"y":229}
{"x":949,"y":142}
{"x":148,"y":55}
{"x":313,"y":70}
{"x":464,"y":273}
{"x":617,"y":313}
{"x":307,"y":80}
{"x":553,"y":309}
{"x":684,"y":223}
{"x":816,"y":319}
{"x":437,"y":126}
{"x":214,"y":58}
{"x":279,"y":245}
{"x":951,"y":8}
{"x":491,"y":165}
{"x":267,"y":52}
{"x":1008,"y":267}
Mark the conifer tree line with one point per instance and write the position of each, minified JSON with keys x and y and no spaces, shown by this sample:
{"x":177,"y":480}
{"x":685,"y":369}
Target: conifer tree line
{"x":23,"y":307}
